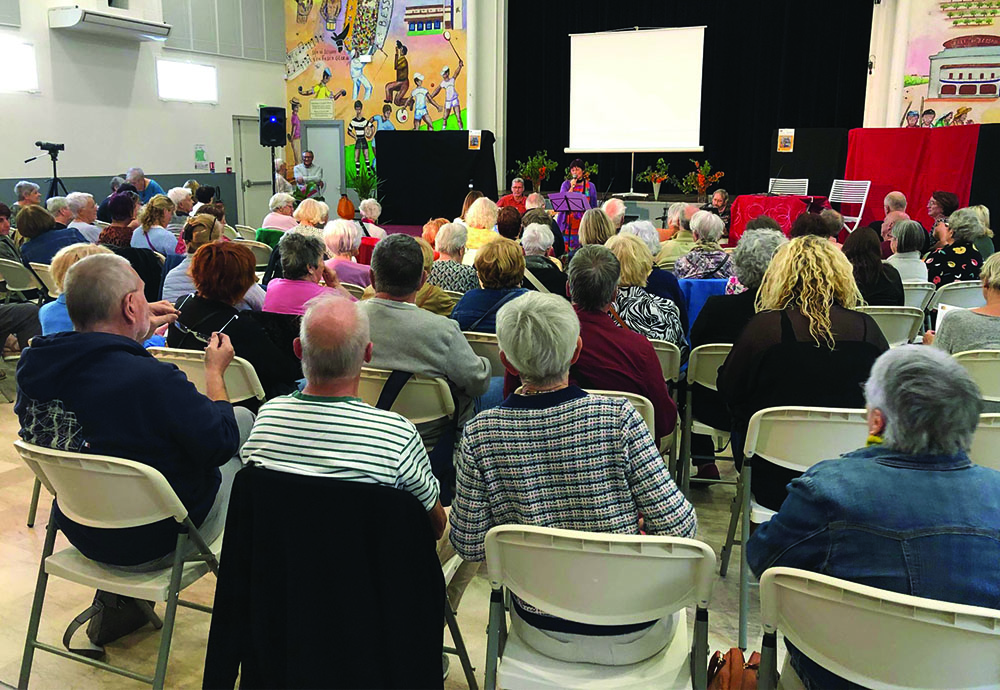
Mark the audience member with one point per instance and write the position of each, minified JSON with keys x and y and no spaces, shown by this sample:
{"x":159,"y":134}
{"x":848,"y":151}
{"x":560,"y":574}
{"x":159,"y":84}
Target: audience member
{"x":431,"y":228}
{"x":940,"y":207}
{"x":152,"y":232}
{"x":28,"y":194}
{"x":906,"y":241}
{"x":103,"y":209}
{"x":879,"y":282}
{"x":719,"y":205}
{"x":534,"y":200}
{"x":972,"y":329}
{"x":470,"y":199}
{"x":500,"y":267}
{"x":282,"y":206}
{"x":890,"y":221}
{"x":84,"y":211}
{"x":536,"y":240}
{"x":43,"y":238}
{"x":763,"y":222}
{"x":659,"y":282}
{"x":183,"y":203}
{"x":811,"y":224}
{"x":595,"y":227}
{"x":311,"y":218}
{"x":894,"y":201}
{"x":569,"y":223}
{"x":203,"y":194}
{"x":448,"y":272}
{"x":675,"y":212}
{"x":303,"y":269}
{"x":984,"y":243}
{"x":615,"y":210}
{"x":145,"y":187}
{"x":540,"y":215}
{"x":54,"y":316}
{"x":342,"y":239}
{"x":680,"y":243}
{"x":222,"y":274}
{"x":516,"y":198}
{"x":119,"y":232}
{"x":957,"y":258}
{"x":834,"y":222}
{"x":189,"y":437}
{"x":481,"y":220}
{"x":643,"y":312}
{"x":806,"y":346}
{"x":910,"y":513}
{"x":706,"y":259}
{"x":8,"y":250}
{"x":281,"y":183}
{"x":371,"y":210}
{"x":524,"y":475}
{"x":509,"y":222}
{"x":429,"y":297}
{"x":217,"y":210}
{"x":60,"y":210}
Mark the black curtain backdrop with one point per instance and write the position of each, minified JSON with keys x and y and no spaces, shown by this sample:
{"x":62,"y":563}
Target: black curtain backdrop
{"x":781,"y":63}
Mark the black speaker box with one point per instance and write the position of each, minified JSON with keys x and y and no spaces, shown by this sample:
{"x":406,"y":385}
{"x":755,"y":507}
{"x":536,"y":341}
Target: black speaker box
{"x":272,"y":126}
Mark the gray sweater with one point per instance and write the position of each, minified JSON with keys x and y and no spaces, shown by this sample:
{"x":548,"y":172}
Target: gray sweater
{"x":965,"y":330}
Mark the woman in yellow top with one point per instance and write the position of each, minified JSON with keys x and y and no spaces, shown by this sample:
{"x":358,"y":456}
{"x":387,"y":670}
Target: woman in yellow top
{"x":481,"y":221}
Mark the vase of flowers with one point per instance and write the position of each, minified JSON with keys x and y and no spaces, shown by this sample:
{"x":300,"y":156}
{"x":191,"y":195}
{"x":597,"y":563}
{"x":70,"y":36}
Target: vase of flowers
{"x":656,"y":175}
{"x":537,"y":168}
{"x":699,"y":180}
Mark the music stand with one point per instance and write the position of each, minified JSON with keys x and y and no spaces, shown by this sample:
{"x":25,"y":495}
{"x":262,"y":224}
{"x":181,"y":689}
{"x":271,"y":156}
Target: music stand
{"x":569,"y":202}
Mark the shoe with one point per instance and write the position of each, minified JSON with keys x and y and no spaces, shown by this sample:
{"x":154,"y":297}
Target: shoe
{"x":709,"y":471}
{"x":445,"y":664}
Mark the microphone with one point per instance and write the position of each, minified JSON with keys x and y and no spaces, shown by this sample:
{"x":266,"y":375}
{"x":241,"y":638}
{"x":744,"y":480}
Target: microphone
{"x":607,"y":191}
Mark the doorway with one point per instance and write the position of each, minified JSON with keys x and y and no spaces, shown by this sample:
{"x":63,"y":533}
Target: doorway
{"x":325,"y":138}
{"x":254,"y":170}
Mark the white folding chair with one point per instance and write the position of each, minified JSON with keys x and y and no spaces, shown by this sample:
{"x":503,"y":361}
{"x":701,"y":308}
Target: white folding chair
{"x":985,"y":449}
{"x":984,"y":367}
{"x":101,"y":224}
{"x":44,"y":273}
{"x":449,"y":569}
{"x":246,"y":232}
{"x":261,"y":251}
{"x":798,"y":186}
{"x":112,"y":493}
{"x":967,"y":294}
{"x":670,"y":359}
{"x":616,"y":579}
{"x":641,"y":404}
{"x":876,"y":638}
{"x":486,"y":345}
{"x":918,"y":295}
{"x":703,"y":369}
{"x":850,"y":192}
{"x":230,"y":232}
{"x":241,"y":380}
{"x":454,"y":294}
{"x":795,"y":438}
{"x":355,"y":290}
{"x":19,"y":278}
{"x":899,"y":325}
{"x":422,"y":399}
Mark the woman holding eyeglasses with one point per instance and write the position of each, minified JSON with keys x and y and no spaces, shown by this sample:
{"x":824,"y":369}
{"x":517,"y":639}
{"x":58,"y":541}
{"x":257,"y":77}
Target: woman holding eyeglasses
{"x":222,"y":274}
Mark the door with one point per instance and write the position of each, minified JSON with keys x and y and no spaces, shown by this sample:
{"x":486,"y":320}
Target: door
{"x":254,"y":171}
{"x":325,"y":138}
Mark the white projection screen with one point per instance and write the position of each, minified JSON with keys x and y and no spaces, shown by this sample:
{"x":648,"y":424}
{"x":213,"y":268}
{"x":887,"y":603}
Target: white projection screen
{"x":636,"y":91}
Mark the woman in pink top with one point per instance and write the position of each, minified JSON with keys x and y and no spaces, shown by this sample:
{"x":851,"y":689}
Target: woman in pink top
{"x":342,"y":239}
{"x":304,"y":270}
{"x":280,"y":218}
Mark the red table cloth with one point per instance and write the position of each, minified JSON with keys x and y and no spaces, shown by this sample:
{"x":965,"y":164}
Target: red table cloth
{"x":784,"y":209}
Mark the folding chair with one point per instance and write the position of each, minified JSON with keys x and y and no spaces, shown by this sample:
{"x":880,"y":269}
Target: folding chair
{"x":112,"y":493}
{"x":486,"y":345}
{"x":967,"y":294}
{"x":422,"y":399}
{"x":261,"y":252}
{"x":918,"y":295}
{"x":241,"y":380}
{"x":873,"y":637}
{"x":449,"y":569}
{"x":615,"y":579}
{"x":269,"y":236}
{"x":454,"y":294}
{"x":798,"y":186}
{"x":44,"y":274}
{"x":984,"y":367}
{"x":670,"y":366}
{"x":20,"y":278}
{"x":795,"y":438}
{"x":899,"y":325}
{"x":703,"y":369}
{"x":246,"y":232}
{"x":101,"y":224}
{"x":355,"y":290}
{"x":850,"y":192}
{"x":230,"y":232}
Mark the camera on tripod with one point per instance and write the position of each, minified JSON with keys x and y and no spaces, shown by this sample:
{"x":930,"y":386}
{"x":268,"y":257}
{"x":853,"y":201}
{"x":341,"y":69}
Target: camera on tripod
{"x":50,"y":147}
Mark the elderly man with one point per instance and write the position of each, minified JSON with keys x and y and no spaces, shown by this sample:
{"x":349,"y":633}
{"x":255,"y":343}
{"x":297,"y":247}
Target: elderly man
{"x":910,"y":513}
{"x":183,"y":205}
{"x":537,"y":213}
{"x":84,"y":210}
{"x":306,"y":172}
{"x":96,"y":390}
{"x":514,"y":468}
{"x":144,"y":186}
{"x":719,"y":205}
{"x":281,"y":183}
{"x":282,"y":205}
{"x":28,"y":194}
{"x":60,"y":210}
{"x":681,"y":242}
{"x":891,"y":218}
{"x":615,"y":210}
{"x":516,"y":197}
{"x":539,"y":270}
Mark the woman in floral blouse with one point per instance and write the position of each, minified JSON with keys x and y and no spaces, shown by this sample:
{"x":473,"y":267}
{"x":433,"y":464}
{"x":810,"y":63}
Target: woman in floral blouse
{"x":706,"y":259}
{"x":448,"y":272}
{"x":957,"y":258}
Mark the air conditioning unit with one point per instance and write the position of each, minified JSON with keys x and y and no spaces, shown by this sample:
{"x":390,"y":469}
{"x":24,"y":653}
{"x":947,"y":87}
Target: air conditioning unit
{"x":76,"y":18}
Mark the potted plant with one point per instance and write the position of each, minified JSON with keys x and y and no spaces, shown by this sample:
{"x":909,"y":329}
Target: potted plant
{"x":699,"y":180}
{"x":655,"y":174}
{"x":366,"y":183}
{"x":536,"y":169}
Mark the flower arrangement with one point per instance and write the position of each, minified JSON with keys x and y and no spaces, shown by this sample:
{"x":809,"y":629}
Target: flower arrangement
{"x":589,"y":170}
{"x":536,"y":168}
{"x":655,"y":174}
{"x":311,"y":191}
{"x":699,"y":180}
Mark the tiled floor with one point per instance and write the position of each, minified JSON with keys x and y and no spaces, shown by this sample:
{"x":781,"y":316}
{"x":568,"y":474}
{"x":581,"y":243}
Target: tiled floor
{"x":20,"y":548}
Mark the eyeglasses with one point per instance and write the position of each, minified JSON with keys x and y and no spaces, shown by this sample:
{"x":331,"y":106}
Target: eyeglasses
{"x":199,"y":335}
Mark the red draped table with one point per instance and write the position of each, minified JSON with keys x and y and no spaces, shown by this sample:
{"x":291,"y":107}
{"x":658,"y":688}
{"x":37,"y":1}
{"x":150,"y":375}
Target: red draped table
{"x":784,"y":209}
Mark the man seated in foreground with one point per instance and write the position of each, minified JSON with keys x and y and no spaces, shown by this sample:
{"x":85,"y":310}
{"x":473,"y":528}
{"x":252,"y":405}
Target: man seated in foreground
{"x":910,"y":513}
{"x":526,"y":462}
{"x":96,"y":390}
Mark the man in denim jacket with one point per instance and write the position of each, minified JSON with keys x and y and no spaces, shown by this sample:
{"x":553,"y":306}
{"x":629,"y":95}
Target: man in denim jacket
{"x":910,"y":513}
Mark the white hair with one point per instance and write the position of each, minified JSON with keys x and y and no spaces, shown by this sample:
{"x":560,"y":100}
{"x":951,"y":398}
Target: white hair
{"x":675,"y":213}
{"x":482,"y":214}
{"x":280,"y":200}
{"x":24,"y":188}
{"x":370,"y":209}
{"x":55,"y":205}
{"x":645,"y":231}
{"x":707,"y":226}
{"x":278,"y":162}
{"x":77,"y":201}
{"x":346,"y":358}
{"x":615,"y":208}
{"x":342,"y":236}
{"x":538,"y":334}
{"x":534,"y":200}
{"x":178,"y":194}
{"x":451,"y":238}
{"x":517,"y":179}
{"x":134,"y":174}
{"x":537,"y":239}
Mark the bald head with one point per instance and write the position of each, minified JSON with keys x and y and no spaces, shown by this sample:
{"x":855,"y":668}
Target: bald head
{"x":891,"y":218}
{"x":334,"y":339}
{"x":894,"y":201}
{"x":535,"y":200}
{"x":104,"y":293}
{"x":615,"y":208}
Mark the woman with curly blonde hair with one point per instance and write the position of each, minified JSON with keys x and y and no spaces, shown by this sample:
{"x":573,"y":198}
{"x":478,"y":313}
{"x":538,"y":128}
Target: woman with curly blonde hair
{"x":806,"y":346}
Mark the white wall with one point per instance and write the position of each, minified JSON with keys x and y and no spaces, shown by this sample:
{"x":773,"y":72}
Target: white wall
{"x":487,"y":99}
{"x":98,"y":96}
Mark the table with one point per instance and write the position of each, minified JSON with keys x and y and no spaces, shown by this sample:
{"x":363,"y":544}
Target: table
{"x":784,"y":208}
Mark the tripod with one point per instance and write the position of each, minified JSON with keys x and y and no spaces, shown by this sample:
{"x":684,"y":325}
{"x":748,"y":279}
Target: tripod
{"x":55,"y":183}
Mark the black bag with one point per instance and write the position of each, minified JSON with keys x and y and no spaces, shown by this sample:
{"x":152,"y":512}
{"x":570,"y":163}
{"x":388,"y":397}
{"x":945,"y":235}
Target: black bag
{"x":110,"y":617}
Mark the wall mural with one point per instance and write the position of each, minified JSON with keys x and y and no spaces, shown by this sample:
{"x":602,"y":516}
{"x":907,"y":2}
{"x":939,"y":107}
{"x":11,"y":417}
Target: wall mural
{"x":952,"y":64}
{"x":375,"y":65}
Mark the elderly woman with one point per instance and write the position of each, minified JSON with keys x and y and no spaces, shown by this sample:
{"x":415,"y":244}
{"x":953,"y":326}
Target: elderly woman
{"x":659,"y":282}
{"x":984,"y":243}
{"x":957,"y":258}
{"x":152,"y":232}
{"x":470,"y":199}
{"x":311,"y":217}
{"x":595,"y":227}
{"x":342,"y":239}
{"x":54,"y":316}
{"x":539,"y":268}
{"x":906,"y":241}
{"x":121,"y":209}
{"x":879,"y":283}
{"x":370,"y":212}
{"x":222,"y":273}
{"x":500,"y":267}
{"x":806,"y":346}
{"x":304,"y":271}
{"x":639,"y":310}
{"x":44,"y":239}
{"x":481,"y":221}
{"x":501,"y":479}
{"x":448,"y":272}
{"x":282,"y":207}
{"x":706,"y":258}
{"x":281,"y":183}
{"x":972,"y":329}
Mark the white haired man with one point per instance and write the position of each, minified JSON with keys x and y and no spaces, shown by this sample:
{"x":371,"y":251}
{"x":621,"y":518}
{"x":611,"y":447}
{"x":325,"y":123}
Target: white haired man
{"x":84,"y":210}
{"x":537,"y":213}
{"x":183,"y":205}
{"x":615,"y":210}
{"x":281,"y":183}
{"x":60,"y":211}
{"x":28,"y":194}
{"x":681,"y":241}
{"x":516,"y":197}
{"x":513,"y":468}
{"x":146,"y":187}
{"x":909,"y":513}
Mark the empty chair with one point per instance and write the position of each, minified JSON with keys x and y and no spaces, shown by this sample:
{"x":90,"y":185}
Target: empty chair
{"x":230,"y":232}
{"x":703,"y":370}
{"x":918,"y":295}
{"x":241,"y":380}
{"x":962,"y":293}
{"x":261,"y":252}
{"x":44,"y":274}
{"x":850,"y":192}
{"x":873,"y":637}
{"x":246,"y":232}
{"x":670,"y":359}
{"x":20,"y":279}
{"x":485,"y":345}
{"x":899,"y":325}
{"x":799,"y":186}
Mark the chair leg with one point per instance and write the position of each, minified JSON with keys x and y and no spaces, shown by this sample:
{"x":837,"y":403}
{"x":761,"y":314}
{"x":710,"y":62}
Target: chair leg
{"x":684,"y":462}
{"x":173,"y":594}
{"x":768,"y":678}
{"x":36,"y":490}
{"x":36,"y":606}
{"x":699,"y":651}
{"x":497,"y":627}
{"x":460,"y":650}
{"x":734,"y":521}
{"x":744,"y":567}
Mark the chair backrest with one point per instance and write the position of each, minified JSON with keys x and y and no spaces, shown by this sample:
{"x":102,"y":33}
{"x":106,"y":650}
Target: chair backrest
{"x":881,"y":639}
{"x":850,"y":192}
{"x":101,"y":491}
{"x":918,"y":295}
{"x":230,"y":232}
{"x":486,"y":345}
{"x":246,"y":232}
{"x":962,"y":293}
{"x":799,"y":437}
{"x":44,"y":273}
{"x":985,"y":449}
{"x":261,"y":251}
{"x":641,"y":404}
{"x":355,"y":290}
{"x":454,"y":294}
{"x":984,"y":367}
{"x":241,"y":379}
{"x":18,"y":277}
{"x":778,"y":185}
{"x":101,"y":224}
{"x":899,"y":325}
{"x":704,"y":363}
{"x":269,"y":236}
{"x":422,"y":399}
{"x":670,"y":359}
{"x":617,"y":579}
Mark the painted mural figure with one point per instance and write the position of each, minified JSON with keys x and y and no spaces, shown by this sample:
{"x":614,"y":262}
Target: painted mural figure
{"x":302,"y":11}
{"x":451,"y":102}
{"x":322,"y":89}
{"x":912,"y":119}
{"x":419,"y":99}
{"x":927,"y":118}
{"x":395,"y":92}
{"x":358,"y":76}
{"x":359,"y":131}
{"x":295,"y":136}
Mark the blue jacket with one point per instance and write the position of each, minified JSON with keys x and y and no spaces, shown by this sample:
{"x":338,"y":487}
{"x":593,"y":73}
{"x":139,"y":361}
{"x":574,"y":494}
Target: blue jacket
{"x":928,"y":526}
{"x":104,"y":394}
{"x":41,"y":249}
{"x":477,"y":310}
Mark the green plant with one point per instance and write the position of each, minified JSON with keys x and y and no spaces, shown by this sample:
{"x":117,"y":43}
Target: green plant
{"x":698,"y":180}
{"x":589,"y":170}
{"x":311,"y":191}
{"x":914,"y":80}
{"x":536,"y":168}
{"x":655,"y":173}
{"x":366,"y":183}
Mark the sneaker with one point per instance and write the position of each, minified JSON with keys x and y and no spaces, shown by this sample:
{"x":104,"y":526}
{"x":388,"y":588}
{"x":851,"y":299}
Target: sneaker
{"x":445,"y":663}
{"x":709,"y":471}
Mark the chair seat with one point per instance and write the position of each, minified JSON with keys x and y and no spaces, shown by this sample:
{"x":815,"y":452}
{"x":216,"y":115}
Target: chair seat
{"x":758,"y":513}
{"x":70,"y":564}
{"x":523,"y":668}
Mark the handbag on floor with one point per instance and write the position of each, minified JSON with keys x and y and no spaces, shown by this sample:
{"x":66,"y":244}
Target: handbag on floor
{"x":731,"y":671}
{"x":109,"y":618}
